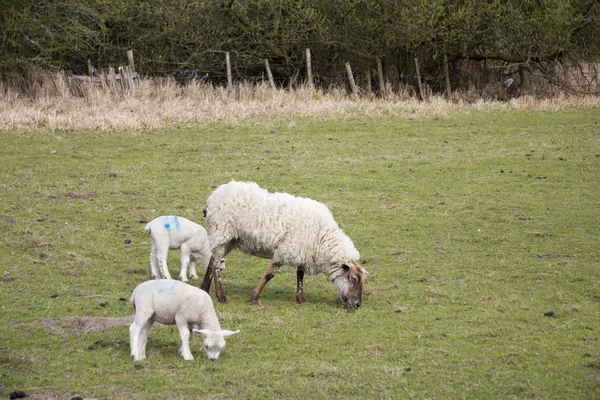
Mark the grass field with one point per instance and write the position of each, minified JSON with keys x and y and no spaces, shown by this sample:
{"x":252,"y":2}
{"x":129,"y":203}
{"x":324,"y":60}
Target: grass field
{"x":480,"y":231}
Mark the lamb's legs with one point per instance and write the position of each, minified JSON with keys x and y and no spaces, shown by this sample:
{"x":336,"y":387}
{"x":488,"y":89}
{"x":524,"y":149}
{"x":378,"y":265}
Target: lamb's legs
{"x":193,"y":272}
{"x":154,"y":263}
{"x":184,"y":333}
{"x":300,"y":286}
{"x":143,"y":339}
{"x":138,"y":335}
{"x":161,"y":255}
{"x":268,"y":276}
{"x":134,"y":336}
{"x":185,"y":260}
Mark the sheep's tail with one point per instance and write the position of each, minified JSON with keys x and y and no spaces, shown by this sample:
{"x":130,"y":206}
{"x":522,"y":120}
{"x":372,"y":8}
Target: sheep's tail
{"x":147,"y":228}
{"x":132,"y":300}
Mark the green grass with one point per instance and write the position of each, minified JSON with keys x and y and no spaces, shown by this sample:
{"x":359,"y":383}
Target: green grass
{"x":472,"y":227}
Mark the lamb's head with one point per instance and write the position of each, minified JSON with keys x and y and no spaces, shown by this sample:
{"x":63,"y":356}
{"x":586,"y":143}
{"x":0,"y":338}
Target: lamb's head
{"x":350,"y":284}
{"x":214,"y":341}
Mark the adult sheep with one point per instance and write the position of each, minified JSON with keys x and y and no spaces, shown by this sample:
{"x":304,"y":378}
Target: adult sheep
{"x":289,"y":230}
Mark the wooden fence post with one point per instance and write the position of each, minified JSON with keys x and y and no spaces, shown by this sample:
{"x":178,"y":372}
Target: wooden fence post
{"x":229,"y":77}
{"x":121,"y":80}
{"x":102,"y":75}
{"x":447,"y":74}
{"x":269,"y":74}
{"x":351,"y":79}
{"x":90,"y":71}
{"x":131,"y":71}
{"x":368,"y":76}
{"x":130,"y":79}
{"x":309,"y":70}
{"x":113,"y":80}
{"x":380,"y":75}
{"x":419,"y":79}
{"x":130,"y":60}
{"x":125,"y":77}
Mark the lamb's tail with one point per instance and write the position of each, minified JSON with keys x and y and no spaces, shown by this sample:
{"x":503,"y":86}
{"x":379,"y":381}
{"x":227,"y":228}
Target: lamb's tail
{"x":147,"y":228}
{"x":132,"y":300}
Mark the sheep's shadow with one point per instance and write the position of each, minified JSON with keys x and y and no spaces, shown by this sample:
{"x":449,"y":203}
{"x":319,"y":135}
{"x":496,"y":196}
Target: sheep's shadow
{"x":274,"y":293}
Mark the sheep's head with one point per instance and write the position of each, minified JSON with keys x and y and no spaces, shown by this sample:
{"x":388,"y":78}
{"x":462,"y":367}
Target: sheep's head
{"x":350,"y":284}
{"x":214,"y":341}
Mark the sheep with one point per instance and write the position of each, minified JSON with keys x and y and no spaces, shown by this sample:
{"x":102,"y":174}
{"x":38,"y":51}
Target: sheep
{"x":172,"y":232}
{"x":171,"y":302}
{"x":289,"y":230}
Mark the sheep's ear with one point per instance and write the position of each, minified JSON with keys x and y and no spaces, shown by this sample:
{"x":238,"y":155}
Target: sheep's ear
{"x":364,"y":271}
{"x":226,"y":333}
{"x":202,"y":331}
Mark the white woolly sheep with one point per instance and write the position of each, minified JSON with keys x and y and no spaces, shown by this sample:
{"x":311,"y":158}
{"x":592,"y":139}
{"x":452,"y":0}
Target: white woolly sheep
{"x":172,"y":232}
{"x":288,"y":230}
{"x":171,"y":302}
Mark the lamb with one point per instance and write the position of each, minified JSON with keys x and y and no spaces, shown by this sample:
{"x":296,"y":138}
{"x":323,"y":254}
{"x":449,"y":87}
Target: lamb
{"x":172,"y":232}
{"x":289,"y":230}
{"x":172,"y":302}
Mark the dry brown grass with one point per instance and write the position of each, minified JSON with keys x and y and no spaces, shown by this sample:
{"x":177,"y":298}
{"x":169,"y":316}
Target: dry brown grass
{"x":157,"y":104}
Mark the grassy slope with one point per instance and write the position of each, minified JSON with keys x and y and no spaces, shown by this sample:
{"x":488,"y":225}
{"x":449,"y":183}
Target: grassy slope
{"x":473,"y":226}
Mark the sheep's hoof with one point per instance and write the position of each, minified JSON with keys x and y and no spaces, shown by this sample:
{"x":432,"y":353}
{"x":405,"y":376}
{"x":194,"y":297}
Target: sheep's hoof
{"x":223,"y":300}
{"x":254,"y":302}
{"x":183,"y":279}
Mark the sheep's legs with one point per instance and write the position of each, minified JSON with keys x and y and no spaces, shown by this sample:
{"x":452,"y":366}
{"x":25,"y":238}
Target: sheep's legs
{"x":161,"y":256}
{"x":185,"y":260}
{"x":214,"y":272}
{"x":143,"y":339}
{"x":300,"y":287}
{"x":134,"y":336}
{"x":208,"y":276}
{"x":154,"y":263}
{"x":184,"y":333}
{"x":138,"y":336}
{"x":193,"y":272}
{"x":271,"y":272}
{"x":219,"y":292}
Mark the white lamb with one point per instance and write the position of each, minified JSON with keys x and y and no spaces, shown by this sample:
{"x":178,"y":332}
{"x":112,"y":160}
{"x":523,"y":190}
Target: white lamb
{"x":288,"y":230}
{"x":172,"y":232}
{"x":172,"y":302}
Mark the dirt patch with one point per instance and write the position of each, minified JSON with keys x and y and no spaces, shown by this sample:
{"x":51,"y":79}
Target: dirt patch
{"x":114,"y":393}
{"x":66,"y":326}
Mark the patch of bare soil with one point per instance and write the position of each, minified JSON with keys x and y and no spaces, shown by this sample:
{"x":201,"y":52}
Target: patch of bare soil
{"x":114,"y":393}
{"x":66,"y":326}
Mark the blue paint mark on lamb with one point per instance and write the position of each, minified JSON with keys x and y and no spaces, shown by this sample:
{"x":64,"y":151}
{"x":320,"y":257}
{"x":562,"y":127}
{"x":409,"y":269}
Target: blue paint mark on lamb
{"x":186,"y":306}
{"x":173,"y":232}
{"x":172,"y":223}
{"x":164,"y":290}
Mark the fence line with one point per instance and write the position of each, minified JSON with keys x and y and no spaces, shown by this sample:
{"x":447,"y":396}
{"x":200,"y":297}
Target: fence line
{"x":124,"y":79}
{"x":121,"y":81}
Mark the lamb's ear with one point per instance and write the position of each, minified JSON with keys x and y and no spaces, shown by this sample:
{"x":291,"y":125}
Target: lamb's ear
{"x":226,"y":333}
{"x":364,"y":271}
{"x":202,"y":331}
